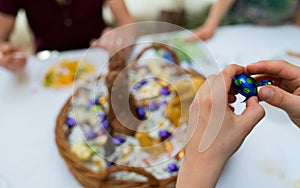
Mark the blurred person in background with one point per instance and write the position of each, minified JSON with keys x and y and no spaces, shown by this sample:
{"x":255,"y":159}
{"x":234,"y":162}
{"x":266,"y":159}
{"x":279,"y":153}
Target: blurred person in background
{"x":56,"y":25}
{"x":262,"y":12}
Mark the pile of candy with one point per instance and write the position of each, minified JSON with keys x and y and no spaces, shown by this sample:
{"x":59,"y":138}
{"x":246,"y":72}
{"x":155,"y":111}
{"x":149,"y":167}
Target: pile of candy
{"x":157,"y":144}
{"x":66,"y":72}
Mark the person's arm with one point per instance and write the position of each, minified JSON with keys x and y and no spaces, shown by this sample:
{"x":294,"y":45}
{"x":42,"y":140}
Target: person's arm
{"x":203,"y":174}
{"x":214,"y":131}
{"x":120,"y":12}
{"x":297,"y":16}
{"x":7,"y":23}
{"x":285,"y":94}
{"x":216,"y":14}
{"x":9,"y":59}
{"x":113,"y":39}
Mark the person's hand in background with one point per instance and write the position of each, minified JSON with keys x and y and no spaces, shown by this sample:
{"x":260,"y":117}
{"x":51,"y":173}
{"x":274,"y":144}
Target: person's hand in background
{"x":215,"y":132}
{"x":285,"y":94}
{"x":216,"y":14}
{"x":115,"y":39}
{"x":204,"y":32}
{"x":12,"y":58}
{"x":110,"y":38}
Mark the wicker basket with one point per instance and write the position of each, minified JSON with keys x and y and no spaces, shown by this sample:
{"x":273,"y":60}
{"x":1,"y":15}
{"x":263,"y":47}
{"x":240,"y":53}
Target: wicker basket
{"x":91,"y":179}
{"x":160,"y":46}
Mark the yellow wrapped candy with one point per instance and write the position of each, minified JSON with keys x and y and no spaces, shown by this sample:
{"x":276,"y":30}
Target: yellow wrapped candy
{"x":102,"y":100}
{"x":81,"y":150}
{"x":144,"y":139}
{"x":126,"y":152}
{"x":168,"y":146}
{"x":178,"y":107}
{"x":156,"y":150}
{"x":99,"y":162}
{"x":150,"y":145}
{"x":179,"y":155}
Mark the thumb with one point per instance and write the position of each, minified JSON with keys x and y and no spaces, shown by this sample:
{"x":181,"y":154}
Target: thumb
{"x":251,"y":115}
{"x":279,"y":98}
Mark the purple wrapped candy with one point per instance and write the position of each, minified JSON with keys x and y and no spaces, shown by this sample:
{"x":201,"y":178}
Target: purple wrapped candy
{"x":143,"y":82}
{"x":173,"y":167}
{"x":164,"y":134}
{"x":105,"y":123}
{"x":102,"y":115}
{"x":140,"y":84}
{"x":141,"y":113}
{"x":163,"y":103}
{"x":165,"y":91}
{"x":110,"y":164}
{"x":71,"y":122}
{"x":119,"y":140}
{"x":90,"y":134}
{"x":153,"y":106}
{"x":90,"y":104}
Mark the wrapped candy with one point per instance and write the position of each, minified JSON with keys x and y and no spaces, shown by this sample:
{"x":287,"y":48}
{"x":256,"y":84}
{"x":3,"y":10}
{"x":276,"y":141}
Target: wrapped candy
{"x":141,"y":112}
{"x":149,"y":144}
{"x":126,"y":151}
{"x":81,"y":150}
{"x":164,"y":134}
{"x":247,"y":86}
{"x":173,"y":167}
{"x":179,"y":155}
{"x":153,"y":106}
{"x":99,"y":163}
{"x":90,"y":134}
{"x":144,"y":139}
{"x":70,"y":121}
{"x":101,"y":140}
{"x":168,"y":146}
{"x":165,"y":91}
{"x":119,"y":140}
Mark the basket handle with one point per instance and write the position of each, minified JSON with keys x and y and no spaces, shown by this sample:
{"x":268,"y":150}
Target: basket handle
{"x":158,"y":46}
{"x":153,"y":182}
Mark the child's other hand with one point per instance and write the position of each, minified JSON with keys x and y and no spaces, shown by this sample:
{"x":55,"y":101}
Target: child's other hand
{"x":286,"y":93}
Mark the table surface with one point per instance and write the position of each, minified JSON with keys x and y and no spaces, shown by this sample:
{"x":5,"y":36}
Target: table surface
{"x":29,"y":157}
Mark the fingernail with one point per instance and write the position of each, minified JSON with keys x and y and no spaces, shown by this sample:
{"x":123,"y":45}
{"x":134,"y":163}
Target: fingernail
{"x":267,"y":94}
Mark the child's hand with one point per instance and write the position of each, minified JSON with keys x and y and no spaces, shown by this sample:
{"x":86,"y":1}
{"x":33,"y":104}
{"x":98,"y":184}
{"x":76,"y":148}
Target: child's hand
{"x":11,"y":58}
{"x":286,"y":93}
{"x":215,"y":132}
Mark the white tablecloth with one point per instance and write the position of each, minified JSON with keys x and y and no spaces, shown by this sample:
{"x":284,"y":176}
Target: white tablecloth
{"x":29,"y":157}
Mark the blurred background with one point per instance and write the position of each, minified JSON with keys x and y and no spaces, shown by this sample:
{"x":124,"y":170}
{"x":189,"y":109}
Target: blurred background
{"x":186,"y":13}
